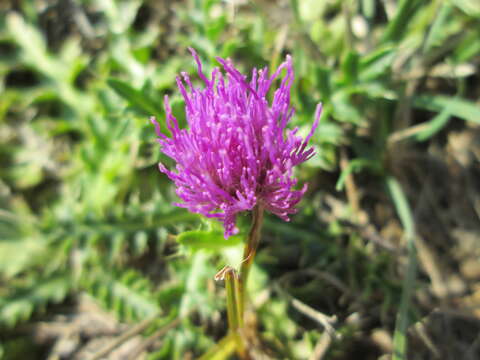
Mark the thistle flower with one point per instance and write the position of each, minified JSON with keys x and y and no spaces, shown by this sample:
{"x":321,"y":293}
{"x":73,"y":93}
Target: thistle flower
{"x":236,"y":152}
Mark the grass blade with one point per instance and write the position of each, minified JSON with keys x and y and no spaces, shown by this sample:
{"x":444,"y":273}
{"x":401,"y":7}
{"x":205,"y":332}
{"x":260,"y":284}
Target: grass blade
{"x":437,"y":31}
{"x":405,"y":214}
{"x":458,"y":107}
{"x":399,"y":24}
{"x":434,"y":125}
{"x":355,"y":166}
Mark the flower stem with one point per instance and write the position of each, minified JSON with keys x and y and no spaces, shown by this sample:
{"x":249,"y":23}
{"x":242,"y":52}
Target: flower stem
{"x":249,"y":253}
{"x":234,"y":312}
{"x":236,"y":285}
{"x":232,"y":285}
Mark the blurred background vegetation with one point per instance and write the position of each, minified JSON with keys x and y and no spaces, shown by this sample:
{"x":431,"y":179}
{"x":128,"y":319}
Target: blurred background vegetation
{"x":387,"y":240}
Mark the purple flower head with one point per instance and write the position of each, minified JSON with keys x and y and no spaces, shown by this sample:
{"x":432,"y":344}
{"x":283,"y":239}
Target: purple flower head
{"x":236,"y":152}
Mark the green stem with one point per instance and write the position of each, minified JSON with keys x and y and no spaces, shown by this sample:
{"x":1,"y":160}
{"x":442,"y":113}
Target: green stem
{"x":234,"y":310}
{"x":232,"y":285}
{"x":236,"y":285}
{"x":249,"y":252}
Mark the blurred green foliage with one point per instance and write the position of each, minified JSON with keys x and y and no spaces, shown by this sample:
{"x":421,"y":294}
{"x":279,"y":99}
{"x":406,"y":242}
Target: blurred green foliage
{"x":85,"y":210}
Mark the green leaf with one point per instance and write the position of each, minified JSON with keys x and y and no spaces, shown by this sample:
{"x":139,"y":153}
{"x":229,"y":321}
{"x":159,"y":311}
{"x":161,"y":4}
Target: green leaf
{"x":323,"y":77}
{"x":355,"y":166}
{"x":24,"y":301}
{"x":374,"y":89}
{"x":458,"y":107}
{"x":215,"y":28}
{"x":129,"y":293}
{"x":328,"y":132}
{"x":434,"y":125}
{"x":399,"y":24}
{"x":350,"y":66}
{"x":377,"y":63}
{"x":468,"y":47}
{"x":437,"y":31}
{"x":136,"y":98}
{"x":34,"y":52}
{"x":368,"y":7}
{"x":28,"y":252}
{"x":140,"y":243}
{"x":33,"y":45}
{"x":208,"y":240}
{"x":406,"y":217}
{"x":344,"y":110}
{"x":469,"y":7}
{"x":120,"y":15}
{"x":194,"y":295}
{"x":223,"y":349}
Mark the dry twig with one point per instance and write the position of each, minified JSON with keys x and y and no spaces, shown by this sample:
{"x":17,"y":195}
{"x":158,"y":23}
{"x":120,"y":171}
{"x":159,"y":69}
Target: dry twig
{"x":148,"y":342}
{"x":135,"y":330}
{"x":325,"y":320}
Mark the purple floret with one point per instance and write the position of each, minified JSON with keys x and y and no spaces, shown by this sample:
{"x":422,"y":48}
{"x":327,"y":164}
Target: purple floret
{"x":236,"y":152}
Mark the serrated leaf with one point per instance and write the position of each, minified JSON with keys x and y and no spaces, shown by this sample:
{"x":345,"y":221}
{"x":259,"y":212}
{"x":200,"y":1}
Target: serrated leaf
{"x":23,"y":302}
{"x":194,"y":295}
{"x":129,"y":293}
{"x":27,"y":251}
{"x":120,"y":15}
{"x":33,"y":44}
